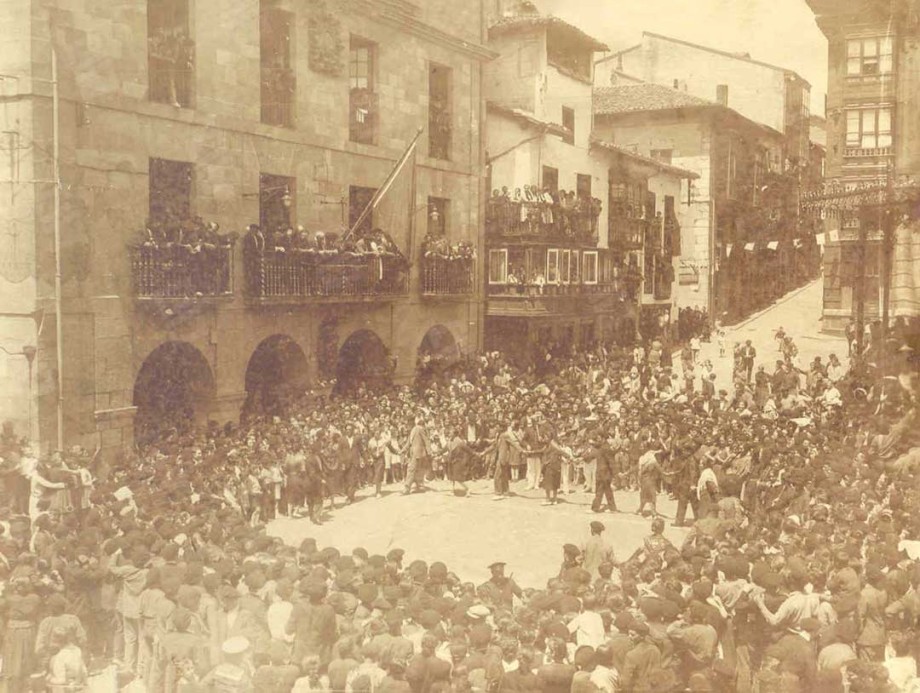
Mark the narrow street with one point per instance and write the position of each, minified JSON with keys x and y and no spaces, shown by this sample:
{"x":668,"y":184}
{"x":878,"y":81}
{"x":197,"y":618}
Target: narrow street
{"x":798,"y":313}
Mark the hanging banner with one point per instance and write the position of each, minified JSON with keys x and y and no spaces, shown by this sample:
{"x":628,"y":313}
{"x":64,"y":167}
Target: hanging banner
{"x":728,"y":250}
{"x":749,"y":246}
{"x":773,"y":245}
{"x":819,"y":238}
{"x":833,"y":235}
{"x":797,"y":242}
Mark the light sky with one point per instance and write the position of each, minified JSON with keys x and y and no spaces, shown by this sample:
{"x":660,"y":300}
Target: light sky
{"x":781,"y":32}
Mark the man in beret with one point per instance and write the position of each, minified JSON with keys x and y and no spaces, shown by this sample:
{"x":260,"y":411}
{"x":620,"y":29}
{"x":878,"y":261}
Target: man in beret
{"x":642,"y":662}
{"x":596,"y":551}
{"x":501,"y":589}
{"x":312,"y":623}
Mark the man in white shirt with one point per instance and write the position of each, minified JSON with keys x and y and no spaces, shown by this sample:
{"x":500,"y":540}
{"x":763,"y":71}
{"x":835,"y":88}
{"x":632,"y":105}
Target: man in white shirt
{"x":588,"y":626}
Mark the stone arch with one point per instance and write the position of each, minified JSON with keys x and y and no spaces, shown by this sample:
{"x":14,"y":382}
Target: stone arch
{"x":173,"y":389}
{"x":363,"y":359}
{"x":277,"y":371}
{"x":436,"y":353}
{"x":438,"y":342}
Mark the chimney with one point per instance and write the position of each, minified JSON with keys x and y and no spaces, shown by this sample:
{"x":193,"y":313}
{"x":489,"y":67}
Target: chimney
{"x":722,"y":94}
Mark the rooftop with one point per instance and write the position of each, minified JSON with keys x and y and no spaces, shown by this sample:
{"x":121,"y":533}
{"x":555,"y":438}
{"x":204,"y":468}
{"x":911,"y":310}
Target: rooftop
{"x":629,"y":154}
{"x":746,"y":57}
{"x":508,"y":25}
{"x":635,"y":98}
{"x":527,"y":118}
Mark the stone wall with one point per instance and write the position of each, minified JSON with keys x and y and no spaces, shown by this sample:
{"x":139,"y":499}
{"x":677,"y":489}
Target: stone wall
{"x":109,"y":131}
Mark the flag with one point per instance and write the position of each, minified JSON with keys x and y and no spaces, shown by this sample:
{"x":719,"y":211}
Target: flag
{"x":393,"y":203}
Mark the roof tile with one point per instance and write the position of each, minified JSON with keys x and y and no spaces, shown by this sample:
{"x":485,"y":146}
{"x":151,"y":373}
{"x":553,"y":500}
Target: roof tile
{"x":634,"y":98}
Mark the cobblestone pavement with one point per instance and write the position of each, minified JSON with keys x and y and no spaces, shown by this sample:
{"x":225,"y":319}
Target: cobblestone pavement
{"x":469,"y":533}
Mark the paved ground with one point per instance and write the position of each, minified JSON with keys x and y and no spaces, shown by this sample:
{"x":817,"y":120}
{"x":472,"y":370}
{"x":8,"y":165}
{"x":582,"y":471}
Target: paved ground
{"x":799,"y":314}
{"x":469,"y":533}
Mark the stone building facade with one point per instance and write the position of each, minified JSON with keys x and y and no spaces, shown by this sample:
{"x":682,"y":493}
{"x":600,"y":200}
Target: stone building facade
{"x":273,"y":110}
{"x":873,"y":94}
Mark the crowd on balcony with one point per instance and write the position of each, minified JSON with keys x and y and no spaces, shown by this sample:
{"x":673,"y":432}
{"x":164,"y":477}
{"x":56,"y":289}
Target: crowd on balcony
{"x":800,"y":572}
{"x":447,"y":268}
{"x":184,"y":259}
{"x":536,"y":211}
{"x":294,"y":262}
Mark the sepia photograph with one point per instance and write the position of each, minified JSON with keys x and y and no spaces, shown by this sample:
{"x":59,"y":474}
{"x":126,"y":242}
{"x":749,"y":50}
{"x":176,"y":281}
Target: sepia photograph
{"x":423,"y":346}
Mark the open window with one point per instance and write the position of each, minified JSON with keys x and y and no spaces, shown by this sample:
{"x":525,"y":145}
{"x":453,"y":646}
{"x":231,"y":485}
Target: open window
{"x":170,"y":197}
{"x":439,"y":111}
{"x":362,"y":65}
{"x":170,"y":53}
{"x":276,"y":202}
{"x":278,"y":83}
{"x":568,"y":122}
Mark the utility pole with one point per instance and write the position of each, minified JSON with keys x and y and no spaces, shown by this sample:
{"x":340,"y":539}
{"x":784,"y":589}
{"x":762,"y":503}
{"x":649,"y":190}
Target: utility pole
{"x":58,"y":300}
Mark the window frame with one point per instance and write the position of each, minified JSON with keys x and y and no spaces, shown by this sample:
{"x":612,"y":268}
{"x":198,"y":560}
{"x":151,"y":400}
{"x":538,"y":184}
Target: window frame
{"x":585,"y":275}
{"x":856,"y":138}
{"x":565,"y":267}
{"x":882,"y":52}
{"x":443,"y":150}
{"x":553,"y":259}
{"x":501,"y":253}
{"x":568,"y":115}
{"x":158,"y":211}
{"x":442,"y":205}
{"x":358,"y":43}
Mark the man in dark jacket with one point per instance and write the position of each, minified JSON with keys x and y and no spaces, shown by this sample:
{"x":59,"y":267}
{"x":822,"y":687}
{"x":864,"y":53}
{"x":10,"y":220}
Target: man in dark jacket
{"x":312,"y":623}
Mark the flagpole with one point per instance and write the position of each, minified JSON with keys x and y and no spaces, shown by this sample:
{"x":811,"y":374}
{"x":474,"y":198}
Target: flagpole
{"x":382,"y":190}
{"x":411,"y":231}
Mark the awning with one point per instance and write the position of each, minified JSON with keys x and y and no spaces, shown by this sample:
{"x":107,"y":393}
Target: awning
{"x":773,"y":245}
{"x":749,"y":246}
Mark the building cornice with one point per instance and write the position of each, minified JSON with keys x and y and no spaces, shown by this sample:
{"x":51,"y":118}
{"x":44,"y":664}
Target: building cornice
{"x":400,"y":14}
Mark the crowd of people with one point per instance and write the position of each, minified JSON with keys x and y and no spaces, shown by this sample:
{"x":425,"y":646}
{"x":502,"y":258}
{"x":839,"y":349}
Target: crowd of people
{"x":532,"y":209}
{"x":799,"y":572}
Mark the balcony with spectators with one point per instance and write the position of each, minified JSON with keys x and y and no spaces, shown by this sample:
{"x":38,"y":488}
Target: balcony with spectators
{"x":293,"y":266}
{"x":192,"y":260}
{"x":447,"y":270}
{"x":543,"y":215}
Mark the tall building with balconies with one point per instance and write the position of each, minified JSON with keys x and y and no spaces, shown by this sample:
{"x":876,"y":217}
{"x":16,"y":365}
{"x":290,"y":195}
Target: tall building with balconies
{"x":568,"y":215}
{"x":159,"y":167}
{"x":873,"y":139}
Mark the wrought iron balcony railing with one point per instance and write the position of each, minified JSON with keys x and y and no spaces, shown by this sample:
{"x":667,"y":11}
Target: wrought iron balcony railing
{"x":447,"y":275}
{"x":181,"y":271}
{"x":539,"y":220}
{"x":309,"y":274}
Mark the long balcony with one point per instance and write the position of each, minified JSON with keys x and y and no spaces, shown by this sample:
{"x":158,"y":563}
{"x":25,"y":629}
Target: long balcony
{"x":854,"y":152}
{"x":533,"y":300}
{"x":295,"y":276}
{"x":175,"y":271}
{"x":447,"y":276}
{"x":542,"y":221}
